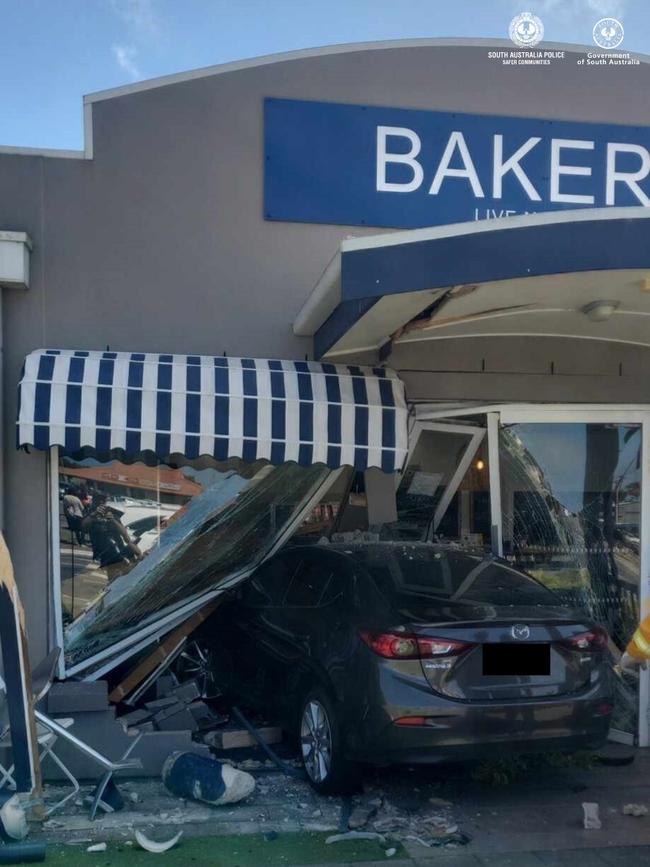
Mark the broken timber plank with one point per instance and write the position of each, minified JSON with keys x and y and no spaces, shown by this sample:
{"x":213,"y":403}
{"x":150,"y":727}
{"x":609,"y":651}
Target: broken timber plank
{"x":18,"y":684}
{"x":233,"y":739}
{"x":158,"y":657}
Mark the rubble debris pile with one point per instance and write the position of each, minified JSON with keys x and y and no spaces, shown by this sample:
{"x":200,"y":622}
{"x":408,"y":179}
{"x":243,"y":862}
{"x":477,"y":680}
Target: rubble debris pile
{"x":181,"y":709}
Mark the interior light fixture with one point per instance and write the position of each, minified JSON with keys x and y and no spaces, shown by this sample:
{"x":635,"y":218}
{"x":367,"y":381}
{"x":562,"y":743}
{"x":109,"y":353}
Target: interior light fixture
{"x":480,"y":465}
{"x":600,"y":311}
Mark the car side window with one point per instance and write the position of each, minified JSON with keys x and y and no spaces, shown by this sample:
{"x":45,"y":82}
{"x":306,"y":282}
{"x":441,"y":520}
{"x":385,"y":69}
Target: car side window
{"x":267,"y":587}
{"x":370,"y":595}
{"x":307,"y":585}
{"x":338,"y":586}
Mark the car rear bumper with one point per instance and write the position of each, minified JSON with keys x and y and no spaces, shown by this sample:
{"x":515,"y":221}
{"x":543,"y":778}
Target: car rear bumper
{"x":427,"y":754}
{"x":462,"y":732}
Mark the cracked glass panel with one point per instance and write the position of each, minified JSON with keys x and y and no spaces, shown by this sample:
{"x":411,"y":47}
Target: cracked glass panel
{"x":571,"y":501}
{"x":138,"y":542}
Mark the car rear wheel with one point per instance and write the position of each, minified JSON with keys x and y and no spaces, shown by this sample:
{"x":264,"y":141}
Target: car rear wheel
{"x":328,"y":771}
{"x":198,"y":661}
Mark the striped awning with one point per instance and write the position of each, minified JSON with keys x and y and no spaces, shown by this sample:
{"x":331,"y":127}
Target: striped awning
{"x":133,"y":403}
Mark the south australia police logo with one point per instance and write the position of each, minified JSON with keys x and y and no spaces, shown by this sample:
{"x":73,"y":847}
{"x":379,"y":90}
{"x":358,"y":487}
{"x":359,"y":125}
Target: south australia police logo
{"x":526,"y":30}
{"x":608,"y":33}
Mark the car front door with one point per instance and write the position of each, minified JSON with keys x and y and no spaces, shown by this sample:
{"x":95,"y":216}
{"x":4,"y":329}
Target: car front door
{"x":318,"y":608}
{"x":264,"y":644}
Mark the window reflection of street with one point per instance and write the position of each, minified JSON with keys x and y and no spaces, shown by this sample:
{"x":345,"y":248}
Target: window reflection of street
{"x":156,"y":537}
{"x":142,"y":499}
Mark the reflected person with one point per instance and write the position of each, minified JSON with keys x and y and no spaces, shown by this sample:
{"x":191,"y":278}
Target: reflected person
{"x":73,"y":510}
{"x":110,"y":540}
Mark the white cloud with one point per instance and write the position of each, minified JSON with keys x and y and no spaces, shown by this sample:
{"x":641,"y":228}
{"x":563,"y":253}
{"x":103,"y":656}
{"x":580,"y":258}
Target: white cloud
{"x":565,"y":10}
{"x":615,"y":8}
{"x":141,"y":28}
{"x":125,"y":56}
{"x":139,"y":16}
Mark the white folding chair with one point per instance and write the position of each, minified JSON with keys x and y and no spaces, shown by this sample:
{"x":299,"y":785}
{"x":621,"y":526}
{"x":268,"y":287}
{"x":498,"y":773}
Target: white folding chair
{"x":47,"y":740}
{"x":42,"y":678}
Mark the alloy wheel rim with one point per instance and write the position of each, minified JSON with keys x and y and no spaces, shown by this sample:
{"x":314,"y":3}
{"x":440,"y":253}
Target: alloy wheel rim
{"x":316,"y":741}
{"x":196,"y":665}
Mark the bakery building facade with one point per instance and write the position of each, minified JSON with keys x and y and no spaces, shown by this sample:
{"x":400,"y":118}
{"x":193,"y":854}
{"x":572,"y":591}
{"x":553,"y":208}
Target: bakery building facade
{"x":397,"y":289}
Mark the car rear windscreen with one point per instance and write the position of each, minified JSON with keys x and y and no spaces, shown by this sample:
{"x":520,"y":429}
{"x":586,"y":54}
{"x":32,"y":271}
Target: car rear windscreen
{"x":422,"y":569}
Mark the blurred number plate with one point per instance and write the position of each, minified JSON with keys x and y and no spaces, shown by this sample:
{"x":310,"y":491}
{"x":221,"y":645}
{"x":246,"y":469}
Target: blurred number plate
{"x":510,"y":660}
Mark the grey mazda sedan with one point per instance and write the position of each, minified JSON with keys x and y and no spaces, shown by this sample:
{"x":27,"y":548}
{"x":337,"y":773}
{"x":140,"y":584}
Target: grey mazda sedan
{"x":394,"y":652}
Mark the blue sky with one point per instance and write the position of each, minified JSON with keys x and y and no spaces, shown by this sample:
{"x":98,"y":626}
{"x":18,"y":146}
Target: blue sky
{"x":54,"y":51}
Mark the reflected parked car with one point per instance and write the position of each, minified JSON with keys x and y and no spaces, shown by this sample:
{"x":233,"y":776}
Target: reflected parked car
{"x":145,"y":522}
{"x":145,"y":532}
{"x":410,"y":653}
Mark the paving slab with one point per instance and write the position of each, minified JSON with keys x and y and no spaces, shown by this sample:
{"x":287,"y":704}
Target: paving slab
{"x":571,"y":858}
{"x":531,"y":842}
{"x":387,"y":861}
{"x":446,"y":859}
{"x":633,"y":856}
{"x":507,"y":859}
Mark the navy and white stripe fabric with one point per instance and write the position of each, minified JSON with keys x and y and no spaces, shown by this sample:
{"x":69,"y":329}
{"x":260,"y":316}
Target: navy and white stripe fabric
{"x":132,"y":403}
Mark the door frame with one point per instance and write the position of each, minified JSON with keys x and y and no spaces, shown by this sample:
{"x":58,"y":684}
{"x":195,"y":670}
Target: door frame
{"x":476,"y":435}
{"x":499,"y":414}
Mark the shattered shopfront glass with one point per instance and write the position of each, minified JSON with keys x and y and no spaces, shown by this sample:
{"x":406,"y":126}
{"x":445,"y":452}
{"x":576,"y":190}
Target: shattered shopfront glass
{"x":571,"y":500}
{"x":137,"y":542}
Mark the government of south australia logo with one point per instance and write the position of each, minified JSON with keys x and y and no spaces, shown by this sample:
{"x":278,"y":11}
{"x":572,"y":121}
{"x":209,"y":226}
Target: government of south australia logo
{"x":608,"y":33}
{"x":526,"y":30}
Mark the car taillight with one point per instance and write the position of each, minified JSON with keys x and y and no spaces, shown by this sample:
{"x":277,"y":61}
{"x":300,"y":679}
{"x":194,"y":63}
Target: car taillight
{"x":395,"y":645}
{"x":440,"y":647}
{"x":589,"y":642}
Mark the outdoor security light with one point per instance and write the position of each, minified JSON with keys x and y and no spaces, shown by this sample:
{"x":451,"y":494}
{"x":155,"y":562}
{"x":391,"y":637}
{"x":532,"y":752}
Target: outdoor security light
{"x":600,"y":311}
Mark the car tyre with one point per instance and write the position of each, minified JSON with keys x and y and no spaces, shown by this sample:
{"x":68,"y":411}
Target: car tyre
{"x":321,"y":743}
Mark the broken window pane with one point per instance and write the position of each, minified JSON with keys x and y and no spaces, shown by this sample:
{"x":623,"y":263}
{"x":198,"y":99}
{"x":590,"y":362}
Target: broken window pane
{"x":138,"y":541}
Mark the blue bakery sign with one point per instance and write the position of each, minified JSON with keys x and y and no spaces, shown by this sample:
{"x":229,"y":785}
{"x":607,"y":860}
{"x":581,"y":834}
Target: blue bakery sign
{"x":362,"y":165}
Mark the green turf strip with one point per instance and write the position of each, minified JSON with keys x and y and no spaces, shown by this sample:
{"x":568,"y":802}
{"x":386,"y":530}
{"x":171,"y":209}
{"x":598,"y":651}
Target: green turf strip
{"x":243,"y":850}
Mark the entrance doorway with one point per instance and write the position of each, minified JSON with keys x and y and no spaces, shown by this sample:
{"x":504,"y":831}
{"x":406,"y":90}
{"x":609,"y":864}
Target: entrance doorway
{"x":558,"y":493}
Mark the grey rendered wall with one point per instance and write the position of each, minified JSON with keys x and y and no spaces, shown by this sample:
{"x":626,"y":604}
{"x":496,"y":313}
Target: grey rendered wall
{"x":25,"y":506}
{"x":159,"y":242}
